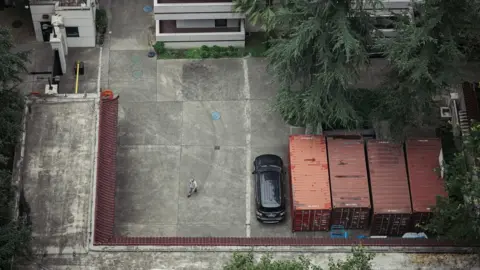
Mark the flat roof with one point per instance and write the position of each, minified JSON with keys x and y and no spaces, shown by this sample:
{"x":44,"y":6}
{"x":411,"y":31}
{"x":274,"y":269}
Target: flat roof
{"x":348,"y":173}
{"x":309,"y":173}
{"x":62,"y":3}
{"x":57,"y":173}
{"x":388,"y":178}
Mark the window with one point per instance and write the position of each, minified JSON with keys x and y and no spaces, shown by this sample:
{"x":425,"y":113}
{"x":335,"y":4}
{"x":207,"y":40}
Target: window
{"x":221,"y":23}
{"x":72,"y":31}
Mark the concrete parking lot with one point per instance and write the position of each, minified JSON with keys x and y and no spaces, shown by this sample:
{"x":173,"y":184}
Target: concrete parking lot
{"x":167,"y":135}
{"x":57,"y":174}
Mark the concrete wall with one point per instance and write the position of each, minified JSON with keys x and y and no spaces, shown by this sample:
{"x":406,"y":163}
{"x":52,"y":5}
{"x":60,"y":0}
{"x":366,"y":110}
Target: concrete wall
{"x":198,"y":16}
{"x":192,"y":7}
{"x":83,"y":18}
{"x":204,"y":23}
{"x":195,"y":40}
{"x":37,"y":11}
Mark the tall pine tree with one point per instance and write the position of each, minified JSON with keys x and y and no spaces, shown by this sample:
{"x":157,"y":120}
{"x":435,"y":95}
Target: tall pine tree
{"x":425,"y":58}
{"x":320,"y":48}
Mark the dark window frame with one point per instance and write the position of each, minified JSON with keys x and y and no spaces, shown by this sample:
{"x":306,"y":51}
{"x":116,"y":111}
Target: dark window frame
{"x":221,"y":25}
{"x":72,"y":31}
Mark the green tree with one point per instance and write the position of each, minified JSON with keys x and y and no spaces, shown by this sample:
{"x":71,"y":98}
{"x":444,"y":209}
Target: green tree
{"x":357,"y":260}
{"x":259,"y":12}
{"x":425,"y":58}
{"x":14,"y":229}
{"x":457,"y":216}
{"x":319,"y":49}
{"x":11,"y":63}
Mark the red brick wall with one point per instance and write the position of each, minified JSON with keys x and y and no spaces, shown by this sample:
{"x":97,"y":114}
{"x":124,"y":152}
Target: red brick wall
{"x":106,"y":172}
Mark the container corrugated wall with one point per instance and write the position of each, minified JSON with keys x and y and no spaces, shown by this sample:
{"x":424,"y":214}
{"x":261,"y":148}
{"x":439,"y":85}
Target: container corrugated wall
{"x":349,"y":183}
{"x":309,"y":183}
{"x":392,"y":208}
{"x":425,"y":183}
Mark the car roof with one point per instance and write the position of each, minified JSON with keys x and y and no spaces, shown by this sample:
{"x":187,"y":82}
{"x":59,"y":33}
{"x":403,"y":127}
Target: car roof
{"x":270,"y":189}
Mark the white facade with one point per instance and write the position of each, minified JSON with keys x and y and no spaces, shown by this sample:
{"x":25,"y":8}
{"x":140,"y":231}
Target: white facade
{"x":79,"y":22}
{"x":195,"y":40}
{"x":197,"y":24}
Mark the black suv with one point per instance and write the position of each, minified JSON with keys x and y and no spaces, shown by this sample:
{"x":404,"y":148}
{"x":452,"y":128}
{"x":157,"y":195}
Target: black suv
{"x":269,"y":188}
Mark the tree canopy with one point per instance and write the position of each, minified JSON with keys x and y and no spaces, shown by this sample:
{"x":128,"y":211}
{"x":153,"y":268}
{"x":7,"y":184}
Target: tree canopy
{"x":320,"y":47}
{"x":11,"y":63}
{"x":316,"y":55}
{"x":14,"y":230}
{"x":424,"y":57}
{"x":457,"y":216}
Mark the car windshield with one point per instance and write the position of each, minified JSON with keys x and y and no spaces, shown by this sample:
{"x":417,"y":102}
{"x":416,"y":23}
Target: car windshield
{"x":270,"y":189}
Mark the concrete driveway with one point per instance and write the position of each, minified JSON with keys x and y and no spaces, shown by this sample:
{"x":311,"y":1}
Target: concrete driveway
{"x":167,"y":135}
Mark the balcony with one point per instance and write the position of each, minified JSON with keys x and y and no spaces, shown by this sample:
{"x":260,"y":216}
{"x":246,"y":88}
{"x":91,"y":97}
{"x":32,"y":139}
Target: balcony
{"x":183,"y":38}
{"x":202,"y":8}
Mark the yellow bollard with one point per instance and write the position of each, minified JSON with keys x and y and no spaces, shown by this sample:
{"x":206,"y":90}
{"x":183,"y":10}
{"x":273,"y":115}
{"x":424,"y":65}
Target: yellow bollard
{"x":78,"y":71}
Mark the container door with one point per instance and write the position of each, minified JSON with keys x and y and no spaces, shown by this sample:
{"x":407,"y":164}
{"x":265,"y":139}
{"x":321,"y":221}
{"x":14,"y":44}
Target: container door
{"x":302,"y":221}
{"x":359,"y":218}
{"x":321,"y":220}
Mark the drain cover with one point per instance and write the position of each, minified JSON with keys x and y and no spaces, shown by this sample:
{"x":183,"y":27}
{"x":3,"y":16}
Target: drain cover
{"x":136,"y":59}
{"x":215,"y":115}
{"x":137,"y":74}
{"x":17,"y":24}
{"x":147,"y":8}
{"x":217,"y":147}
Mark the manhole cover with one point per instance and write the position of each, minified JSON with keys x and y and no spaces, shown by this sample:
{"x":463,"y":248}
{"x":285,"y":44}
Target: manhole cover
{"x":147,"y":9}
{"x":215,"y":115}
{"x":136,"y":59}
{"x":137,"y":74}
{"x":17,"y":24}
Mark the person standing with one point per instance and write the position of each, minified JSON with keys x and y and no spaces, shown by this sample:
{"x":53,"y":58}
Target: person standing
{"x":192,"y":187}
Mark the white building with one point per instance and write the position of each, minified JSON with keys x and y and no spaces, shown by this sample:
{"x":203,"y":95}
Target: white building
{"x":193,"y":23}
{"x":78,"y":18}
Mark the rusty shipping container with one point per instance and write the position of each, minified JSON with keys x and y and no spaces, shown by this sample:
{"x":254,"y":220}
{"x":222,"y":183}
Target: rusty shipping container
{"x":425,"y":184}
{"x":392,"y":208}
{"x":349,"y":183}
{"x":309,"y":183}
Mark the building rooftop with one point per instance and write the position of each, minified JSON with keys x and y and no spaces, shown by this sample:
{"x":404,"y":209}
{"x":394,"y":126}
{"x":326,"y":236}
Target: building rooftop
{"x":62,"y":3}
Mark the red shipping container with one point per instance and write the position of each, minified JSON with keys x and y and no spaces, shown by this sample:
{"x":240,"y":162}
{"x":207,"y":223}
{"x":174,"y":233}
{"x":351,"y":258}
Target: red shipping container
{"x":349,"y":183}
{"x":425,"y":184}
{"x":309,"y":183}
{"x":392,"y":208}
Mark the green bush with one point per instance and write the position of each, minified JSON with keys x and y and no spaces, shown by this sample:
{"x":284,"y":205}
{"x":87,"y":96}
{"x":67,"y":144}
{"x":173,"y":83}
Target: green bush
{"x":193,"y":53}
{"x":159,"y":48}
{"x":204,"y":53}
{"x":197,"y":53}
{"x":101,"y":21}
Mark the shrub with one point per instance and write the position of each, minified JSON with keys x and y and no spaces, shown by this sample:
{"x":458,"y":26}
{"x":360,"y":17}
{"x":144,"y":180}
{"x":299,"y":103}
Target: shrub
{"x":101,"y":21}
{"x":193,"y":53}
{"x":159,"y":47}
{"x":204,"y":53}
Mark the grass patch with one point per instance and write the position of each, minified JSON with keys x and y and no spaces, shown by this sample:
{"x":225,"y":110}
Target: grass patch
{"x":254,"y":46}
